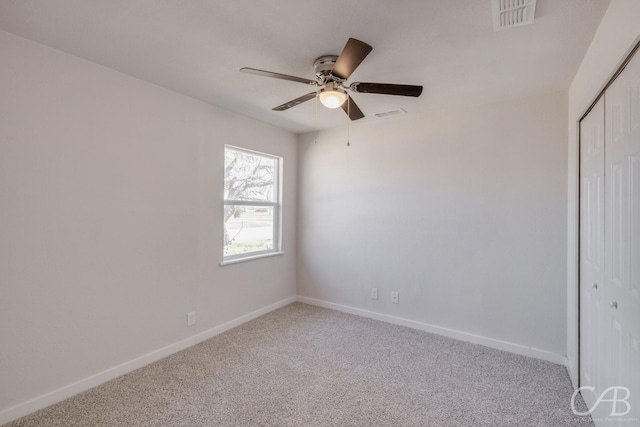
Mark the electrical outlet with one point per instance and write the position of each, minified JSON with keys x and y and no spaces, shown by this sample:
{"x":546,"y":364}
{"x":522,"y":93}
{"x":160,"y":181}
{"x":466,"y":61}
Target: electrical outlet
{"x":395,"y":297}
{"x":191,"y":318}
{"x":374,"y":293}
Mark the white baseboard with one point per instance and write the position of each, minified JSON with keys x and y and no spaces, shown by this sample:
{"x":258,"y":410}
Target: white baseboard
{"x":67,"y":391}
{"x":451,"y":333}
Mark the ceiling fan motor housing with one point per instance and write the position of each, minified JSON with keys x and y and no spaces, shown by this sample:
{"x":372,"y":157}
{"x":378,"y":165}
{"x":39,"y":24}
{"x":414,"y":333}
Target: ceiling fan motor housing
{"x":324,"y":65}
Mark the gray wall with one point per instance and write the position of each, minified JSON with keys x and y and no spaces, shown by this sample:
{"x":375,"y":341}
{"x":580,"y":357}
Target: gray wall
{"x":461,"y":211}
{"x":111,"y":220}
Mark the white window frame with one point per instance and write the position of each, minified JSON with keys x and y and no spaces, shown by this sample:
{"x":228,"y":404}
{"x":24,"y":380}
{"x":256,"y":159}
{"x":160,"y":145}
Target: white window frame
{"x":276,"y":205}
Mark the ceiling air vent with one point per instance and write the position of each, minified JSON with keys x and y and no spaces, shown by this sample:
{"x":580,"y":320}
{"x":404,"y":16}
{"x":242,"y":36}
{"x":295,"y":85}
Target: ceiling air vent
{"x":395,"y":112}
{"x":512,"y":13}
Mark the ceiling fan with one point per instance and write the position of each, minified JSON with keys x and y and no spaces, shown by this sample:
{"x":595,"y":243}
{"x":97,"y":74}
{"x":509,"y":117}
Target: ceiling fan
{"x":331,"y":74}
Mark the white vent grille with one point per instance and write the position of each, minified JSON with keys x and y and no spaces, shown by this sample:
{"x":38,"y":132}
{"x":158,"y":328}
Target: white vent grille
{"x":512,"y":13}
{"x":395,"y":112}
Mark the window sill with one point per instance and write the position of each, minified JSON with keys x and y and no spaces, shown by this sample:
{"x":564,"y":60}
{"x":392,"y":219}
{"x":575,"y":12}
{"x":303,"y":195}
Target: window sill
{"x":249,"y":258}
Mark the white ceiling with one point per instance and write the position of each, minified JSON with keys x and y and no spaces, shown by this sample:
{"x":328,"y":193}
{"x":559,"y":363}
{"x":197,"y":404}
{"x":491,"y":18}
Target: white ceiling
{"x":196,"y":47}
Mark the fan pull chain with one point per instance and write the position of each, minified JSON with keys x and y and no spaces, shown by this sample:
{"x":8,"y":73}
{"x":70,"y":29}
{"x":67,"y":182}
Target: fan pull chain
{"x":349,"y":122}
{"x":315,"y":138}
{"x":348,"y":127}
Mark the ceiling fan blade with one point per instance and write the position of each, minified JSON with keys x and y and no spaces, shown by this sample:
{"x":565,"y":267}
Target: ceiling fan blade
{"x":352,"y":110}
{"x":295,"y":102}
{"x":386,"y":89}
{"x":352,"y":55}
{"x":277,"y":75}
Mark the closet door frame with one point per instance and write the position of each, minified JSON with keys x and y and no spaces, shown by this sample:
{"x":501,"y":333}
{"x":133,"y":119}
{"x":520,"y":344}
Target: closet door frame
{"x":630,"y":54}
{"x":609,"y":358}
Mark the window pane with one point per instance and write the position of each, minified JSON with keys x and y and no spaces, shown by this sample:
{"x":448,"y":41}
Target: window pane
{"x":249,"y":176}
{"x":248,"y":229}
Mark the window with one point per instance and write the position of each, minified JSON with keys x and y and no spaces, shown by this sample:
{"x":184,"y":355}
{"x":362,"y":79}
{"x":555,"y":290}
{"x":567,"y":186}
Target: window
{"x":251,"y":204}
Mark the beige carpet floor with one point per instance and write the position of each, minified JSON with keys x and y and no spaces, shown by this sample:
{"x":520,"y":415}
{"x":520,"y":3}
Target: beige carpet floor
{"x":307,"y":366}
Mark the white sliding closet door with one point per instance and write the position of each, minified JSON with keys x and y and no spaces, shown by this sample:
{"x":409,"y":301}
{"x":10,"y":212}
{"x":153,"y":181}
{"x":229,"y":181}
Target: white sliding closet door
{"x":622,"y":232}
{"x":592,"y":298}
{"x":610,"y":251}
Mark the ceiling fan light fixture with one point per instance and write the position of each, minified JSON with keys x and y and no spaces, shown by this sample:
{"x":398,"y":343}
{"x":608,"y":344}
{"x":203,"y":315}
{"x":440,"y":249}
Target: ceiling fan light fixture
{"x":332,"y":97}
